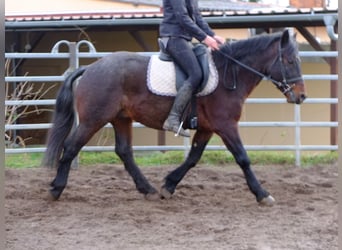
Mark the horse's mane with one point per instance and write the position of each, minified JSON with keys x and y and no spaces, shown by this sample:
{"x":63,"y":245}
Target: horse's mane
{"x":252,"y":46}
{"x":247,"y":52}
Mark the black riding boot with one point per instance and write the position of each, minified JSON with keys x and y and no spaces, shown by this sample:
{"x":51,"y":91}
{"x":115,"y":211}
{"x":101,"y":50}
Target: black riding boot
{"x":172,"y":123}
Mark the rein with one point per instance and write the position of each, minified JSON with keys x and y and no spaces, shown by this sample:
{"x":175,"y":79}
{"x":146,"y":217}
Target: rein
{"x":284,"y":86}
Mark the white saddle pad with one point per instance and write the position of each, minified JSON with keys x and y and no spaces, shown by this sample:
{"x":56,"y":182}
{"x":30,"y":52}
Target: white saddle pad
{"x":161,"y":77}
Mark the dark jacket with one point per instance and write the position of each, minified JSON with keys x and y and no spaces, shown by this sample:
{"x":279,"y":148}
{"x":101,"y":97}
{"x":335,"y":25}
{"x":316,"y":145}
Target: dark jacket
{"x":182,"y":18}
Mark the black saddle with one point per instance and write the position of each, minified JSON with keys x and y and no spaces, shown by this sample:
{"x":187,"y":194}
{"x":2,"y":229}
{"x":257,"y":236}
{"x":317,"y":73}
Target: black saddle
{"x":200,"y":51}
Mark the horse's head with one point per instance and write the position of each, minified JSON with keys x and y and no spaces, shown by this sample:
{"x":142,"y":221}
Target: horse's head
{"x":286,"y":73}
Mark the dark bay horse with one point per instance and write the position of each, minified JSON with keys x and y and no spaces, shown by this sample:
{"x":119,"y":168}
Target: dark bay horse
{"x":113,"y":89}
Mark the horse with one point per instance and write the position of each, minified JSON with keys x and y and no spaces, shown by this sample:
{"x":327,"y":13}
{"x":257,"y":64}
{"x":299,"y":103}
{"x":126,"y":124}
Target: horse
{"x":113,"y":90}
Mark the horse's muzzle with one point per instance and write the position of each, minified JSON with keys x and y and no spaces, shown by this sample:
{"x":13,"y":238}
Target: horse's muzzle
{"x":297,"y":98}
{"x":297,"y":94}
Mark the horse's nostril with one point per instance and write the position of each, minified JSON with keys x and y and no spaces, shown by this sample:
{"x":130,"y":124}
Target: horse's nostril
{"x":303,"y":97}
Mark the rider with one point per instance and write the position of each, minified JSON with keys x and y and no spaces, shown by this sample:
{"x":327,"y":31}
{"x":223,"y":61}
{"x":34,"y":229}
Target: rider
{"x":181,"y":23}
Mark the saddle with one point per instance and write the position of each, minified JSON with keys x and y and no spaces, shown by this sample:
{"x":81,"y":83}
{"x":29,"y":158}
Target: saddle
{"x":200,"y":51}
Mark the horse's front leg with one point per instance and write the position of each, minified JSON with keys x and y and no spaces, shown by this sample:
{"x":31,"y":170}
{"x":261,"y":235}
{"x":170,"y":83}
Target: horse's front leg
{"x":123,"y":148}
{"x":199,"y":142}
{"x":231,"y":139}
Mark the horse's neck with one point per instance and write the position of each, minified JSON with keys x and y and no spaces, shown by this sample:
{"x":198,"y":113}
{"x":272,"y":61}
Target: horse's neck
{"x":259,"y":61}
{"x":265,"y":59}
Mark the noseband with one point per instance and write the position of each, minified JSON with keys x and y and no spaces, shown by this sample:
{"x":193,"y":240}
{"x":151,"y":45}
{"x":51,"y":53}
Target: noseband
{"x":284,"y":86}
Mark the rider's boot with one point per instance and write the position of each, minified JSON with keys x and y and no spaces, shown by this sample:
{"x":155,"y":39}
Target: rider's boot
{"x":172,"y":123}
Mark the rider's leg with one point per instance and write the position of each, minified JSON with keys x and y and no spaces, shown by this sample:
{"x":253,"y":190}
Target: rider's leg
{"x":182,"y":54}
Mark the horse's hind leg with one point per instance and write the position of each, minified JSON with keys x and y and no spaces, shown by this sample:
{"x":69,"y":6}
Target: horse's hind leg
{"x":123,"y":148}
{"x":199,"y":143}
{"x":72,"y":145}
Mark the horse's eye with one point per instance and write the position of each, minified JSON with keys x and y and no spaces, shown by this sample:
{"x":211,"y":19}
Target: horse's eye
{"x":292,"y":60}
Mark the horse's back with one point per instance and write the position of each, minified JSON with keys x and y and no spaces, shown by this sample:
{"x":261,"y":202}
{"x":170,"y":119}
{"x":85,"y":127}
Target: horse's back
{"x":120,"y":61}
{"x":112,"y":83}
{"x":114,"y":69}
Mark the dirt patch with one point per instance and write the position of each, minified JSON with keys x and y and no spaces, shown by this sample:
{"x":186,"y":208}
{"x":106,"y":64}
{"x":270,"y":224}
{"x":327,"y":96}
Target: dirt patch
{"x":211,"y":209}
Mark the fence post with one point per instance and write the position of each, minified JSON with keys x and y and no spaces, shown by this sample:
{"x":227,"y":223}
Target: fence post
{"x":73,"y":60}
{"x":73,"y":65}
{"x":74,"y":49}
{"x":297,"y":134}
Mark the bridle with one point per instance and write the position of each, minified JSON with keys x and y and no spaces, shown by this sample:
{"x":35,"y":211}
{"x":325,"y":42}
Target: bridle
{"x":284,"y":86}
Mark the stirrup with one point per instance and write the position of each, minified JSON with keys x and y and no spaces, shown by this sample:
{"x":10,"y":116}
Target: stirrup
{"x":181,"y":131}
{"x":177,"y":129}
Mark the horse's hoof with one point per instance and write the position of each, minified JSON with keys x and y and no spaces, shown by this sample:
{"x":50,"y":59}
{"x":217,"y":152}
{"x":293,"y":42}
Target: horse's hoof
{"x":152,"y":196}
{"x":269,"y":201}
{"x":165,"y":194}
{"x":51,"y":196}
{"x":54,"y":194}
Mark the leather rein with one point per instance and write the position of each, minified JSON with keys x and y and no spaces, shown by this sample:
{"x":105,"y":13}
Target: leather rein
{"x":284,"y":86}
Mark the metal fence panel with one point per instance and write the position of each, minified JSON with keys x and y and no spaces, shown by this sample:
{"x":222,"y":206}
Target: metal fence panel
{"x":74,"y":55}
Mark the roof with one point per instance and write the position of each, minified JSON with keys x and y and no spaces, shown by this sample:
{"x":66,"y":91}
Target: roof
{"x":208,"y":4}
{"x":148,"y":13}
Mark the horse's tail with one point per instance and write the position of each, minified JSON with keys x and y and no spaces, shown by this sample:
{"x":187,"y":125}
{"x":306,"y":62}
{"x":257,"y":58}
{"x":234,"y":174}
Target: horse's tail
{"x":63,"y":119}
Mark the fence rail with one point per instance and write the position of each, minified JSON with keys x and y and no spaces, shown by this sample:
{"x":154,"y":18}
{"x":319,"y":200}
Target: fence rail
{"x":74,"y":55}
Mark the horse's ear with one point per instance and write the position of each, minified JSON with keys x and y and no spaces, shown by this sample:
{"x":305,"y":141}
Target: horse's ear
{"x":285,"y":38}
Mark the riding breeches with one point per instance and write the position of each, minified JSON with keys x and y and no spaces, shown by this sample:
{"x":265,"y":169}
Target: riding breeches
{"x":181,"y":52}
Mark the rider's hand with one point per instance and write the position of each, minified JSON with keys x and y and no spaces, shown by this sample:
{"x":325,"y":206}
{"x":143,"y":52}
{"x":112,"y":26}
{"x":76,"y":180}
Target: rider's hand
{"x":219,"y":39}
{"x":211,"y":43}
